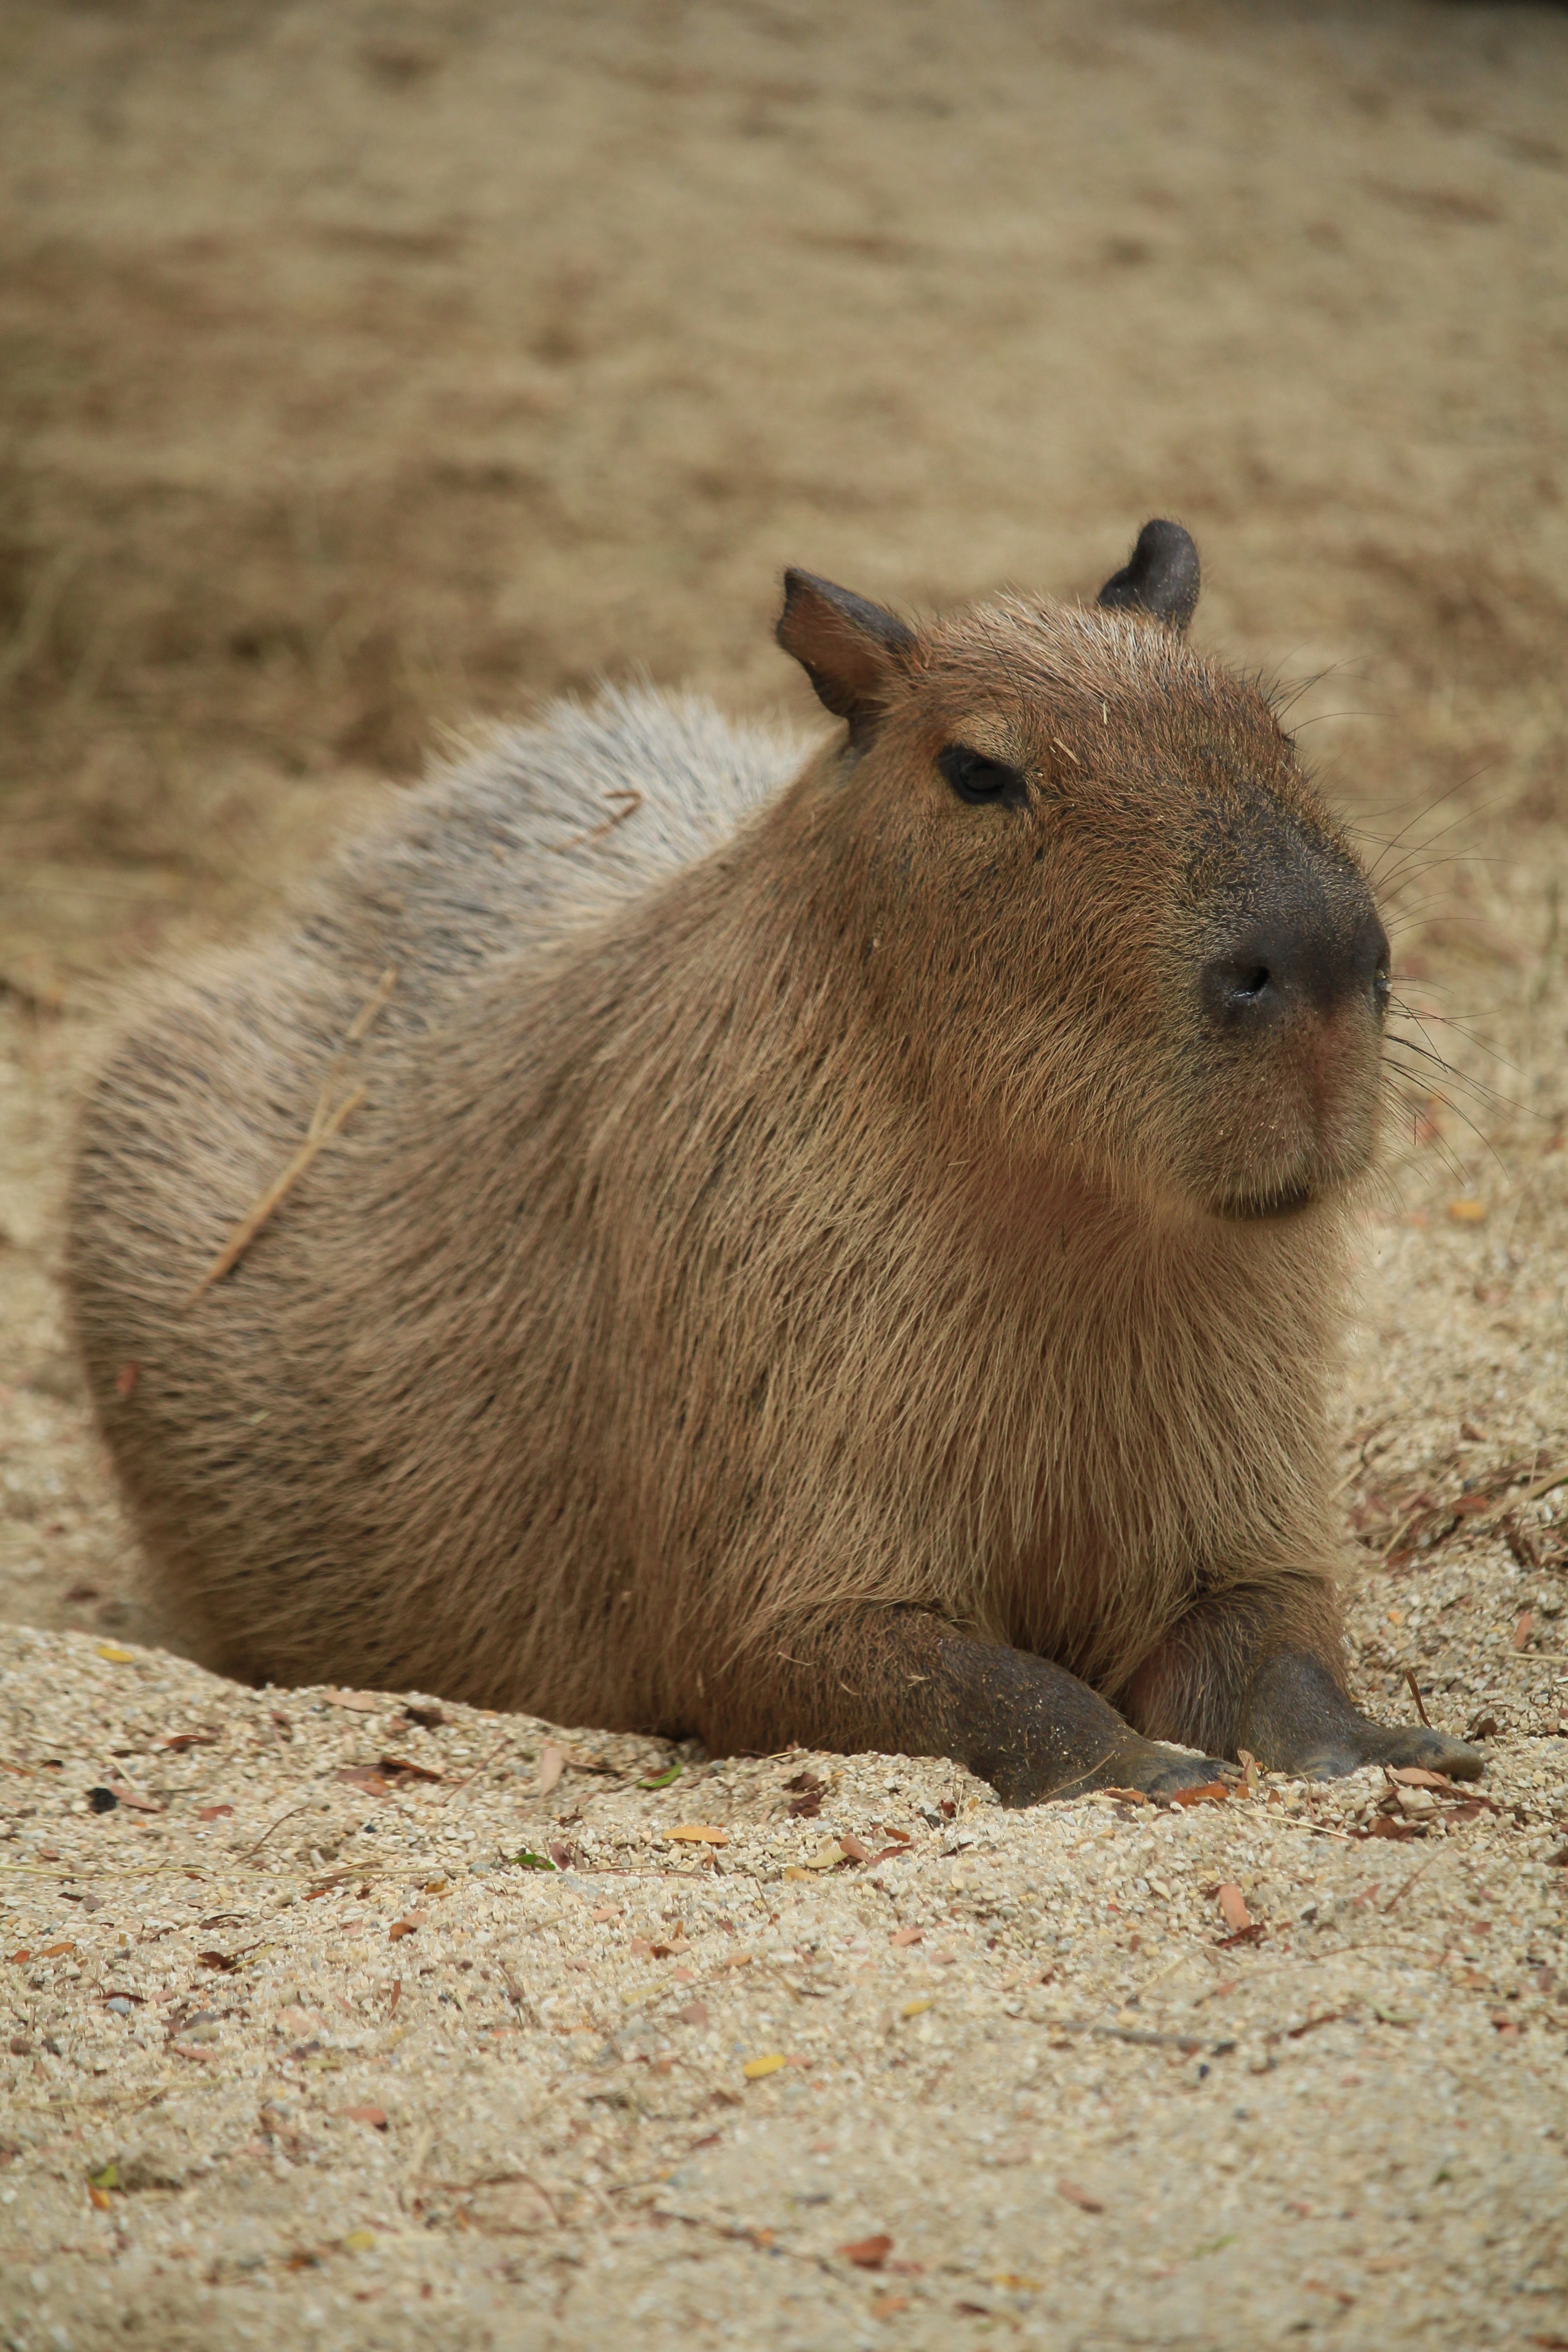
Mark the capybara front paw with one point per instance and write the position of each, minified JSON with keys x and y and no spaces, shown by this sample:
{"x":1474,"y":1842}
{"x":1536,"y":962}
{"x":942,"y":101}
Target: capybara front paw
{"x":1146,"y":1765}
{"x":1361,"y":1742}
{"x":1296,"y":1719}
{"x":1150,"y":1768}
{"x":1162,"y":1770}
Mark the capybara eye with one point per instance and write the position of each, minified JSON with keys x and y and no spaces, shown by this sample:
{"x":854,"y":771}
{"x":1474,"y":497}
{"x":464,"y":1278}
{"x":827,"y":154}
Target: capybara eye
{"x":973,"y":777}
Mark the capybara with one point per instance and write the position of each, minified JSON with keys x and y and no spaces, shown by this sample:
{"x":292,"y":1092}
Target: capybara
{"x":839,"y":1245}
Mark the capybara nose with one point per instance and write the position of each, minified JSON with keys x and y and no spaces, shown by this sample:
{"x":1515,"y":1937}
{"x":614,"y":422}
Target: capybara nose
{"x":1319,"y":949}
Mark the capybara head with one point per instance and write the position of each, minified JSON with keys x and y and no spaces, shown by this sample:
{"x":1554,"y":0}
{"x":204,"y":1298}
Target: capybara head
{"x":1098,"y":905}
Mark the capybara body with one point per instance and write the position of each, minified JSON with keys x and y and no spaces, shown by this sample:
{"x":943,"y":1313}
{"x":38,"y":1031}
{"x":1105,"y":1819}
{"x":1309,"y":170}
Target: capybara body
{"x":841,"y":1245}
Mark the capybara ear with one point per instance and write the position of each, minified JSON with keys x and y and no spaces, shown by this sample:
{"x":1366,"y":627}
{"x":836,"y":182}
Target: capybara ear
{"x":847,"y":648}
{"x":1161,"y":576}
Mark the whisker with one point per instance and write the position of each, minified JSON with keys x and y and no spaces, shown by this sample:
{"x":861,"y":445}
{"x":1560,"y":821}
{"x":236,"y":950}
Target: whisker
{"x":1465,"y":816}
{"x":1443,"y":1077}
{"x":1433,"y":1052}
{"x":1426,"y":810}
{"x":1457,"y":1022}
{"x":1480,"y":1133}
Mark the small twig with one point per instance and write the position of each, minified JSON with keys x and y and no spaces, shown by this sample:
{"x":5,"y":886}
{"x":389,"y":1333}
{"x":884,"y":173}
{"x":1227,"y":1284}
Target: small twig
{"x":763,"y":2240}
{"x":371,"y":1006}
{"x":268,"y":1831}
{"x":482,"y":1766}
{"x":1403,"y":1889}
{"x":503,"y":2180}
{"x":633,"y":800}
{"x":245,"y":1233}
{"x":1188,"y":2043}
{"x":1416,"y":1695}
{"x":1532,"y":1492}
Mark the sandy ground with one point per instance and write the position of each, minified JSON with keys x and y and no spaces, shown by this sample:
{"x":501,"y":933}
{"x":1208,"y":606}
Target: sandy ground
{"x":364,"y":368}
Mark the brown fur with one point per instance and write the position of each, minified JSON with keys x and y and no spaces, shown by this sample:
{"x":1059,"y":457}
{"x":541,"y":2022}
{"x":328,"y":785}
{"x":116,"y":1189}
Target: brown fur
{"x":810,"y":1199}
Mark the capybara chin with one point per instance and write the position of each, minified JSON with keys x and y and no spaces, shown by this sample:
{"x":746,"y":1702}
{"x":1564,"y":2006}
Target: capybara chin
{"x":840,"y":1246}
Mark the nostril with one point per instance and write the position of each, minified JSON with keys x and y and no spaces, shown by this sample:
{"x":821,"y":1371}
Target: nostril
{"x":1249,"y":987}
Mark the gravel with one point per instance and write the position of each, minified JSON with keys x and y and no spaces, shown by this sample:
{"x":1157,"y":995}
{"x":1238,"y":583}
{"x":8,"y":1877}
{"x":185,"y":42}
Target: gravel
{"x":342,"y":2060}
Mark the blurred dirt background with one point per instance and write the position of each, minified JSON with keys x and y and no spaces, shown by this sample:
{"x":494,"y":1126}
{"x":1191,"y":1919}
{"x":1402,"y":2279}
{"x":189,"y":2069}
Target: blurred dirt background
{"x":366,"y":368}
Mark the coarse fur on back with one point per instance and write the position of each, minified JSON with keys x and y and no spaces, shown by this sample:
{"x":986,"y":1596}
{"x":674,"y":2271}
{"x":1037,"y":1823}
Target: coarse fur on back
{"x":792,"y":1181}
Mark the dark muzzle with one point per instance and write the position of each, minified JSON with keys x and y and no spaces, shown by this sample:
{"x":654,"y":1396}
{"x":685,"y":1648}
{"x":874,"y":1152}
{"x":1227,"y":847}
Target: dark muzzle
{"x":1299,"y":935}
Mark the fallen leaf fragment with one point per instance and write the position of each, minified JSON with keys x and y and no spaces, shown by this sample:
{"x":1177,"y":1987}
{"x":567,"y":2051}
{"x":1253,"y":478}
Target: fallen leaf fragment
{"x":409,"y":1925}
{"x":695,"y":2015}
{"x":1208,"y":1792}
{"x":115,"y":1655}
{"x":1468,"y":1212}
{"x":886,"y":2306}
{"x":56,"y":1951}
{"x":867,"y":2253}
{"x":913,"y":2008}
{"x":375,"y":2117}
{"x":1233,"y":1906}
{"x":1520,"y":1638}
{"x":361,"y":1702}
{"x":213,"y":1813}
{"x":361,"y":1776}
{"x":906,"y":1936}
{"x":663,"y":1779}
{"x":400,"y":1768}
{"x":359,"y":2242}
{"x":1416,"y":1776}
{"x":755,"y":2070}
{"x":552,"y":1764}
{"x":99,"y":2196}
{"x":1080,"y":2197}
{"x":850,"y":1845}
{"x":125,"y":1795}
{"x":698,"y":1834}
